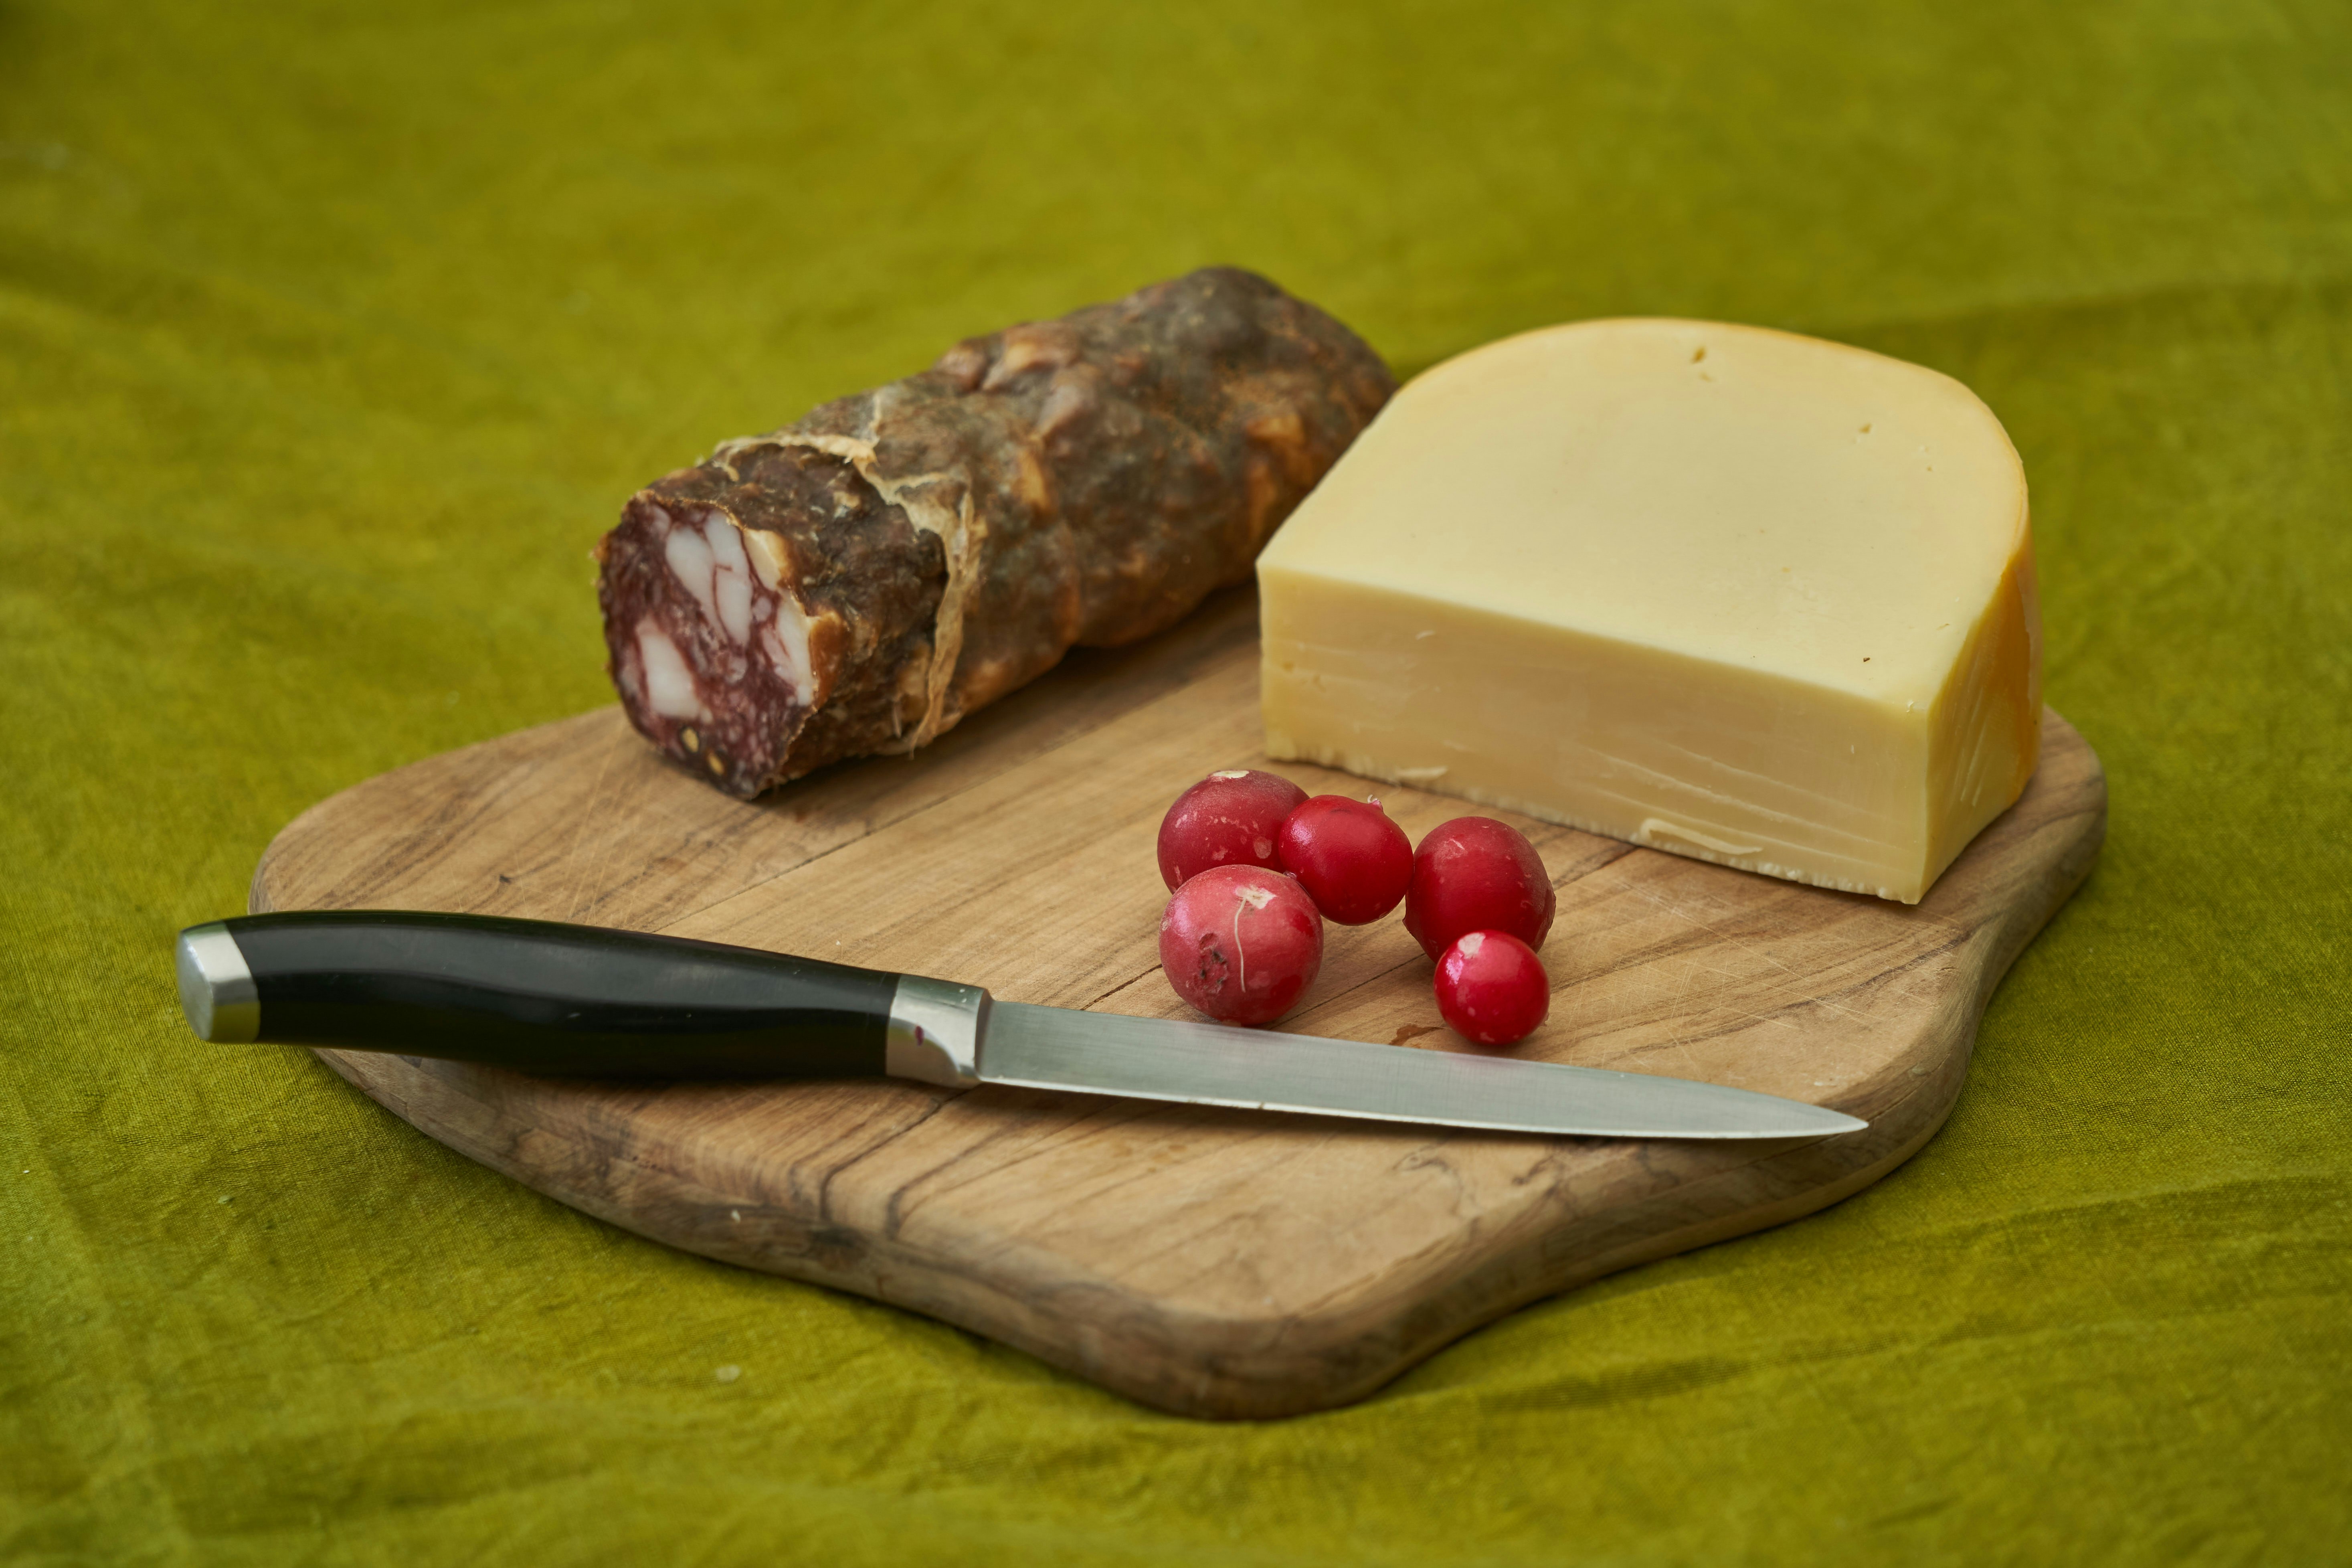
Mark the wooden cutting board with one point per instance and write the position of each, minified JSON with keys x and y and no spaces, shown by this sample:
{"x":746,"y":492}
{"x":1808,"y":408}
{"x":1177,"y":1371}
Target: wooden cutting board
{"x":1210,"y":1262}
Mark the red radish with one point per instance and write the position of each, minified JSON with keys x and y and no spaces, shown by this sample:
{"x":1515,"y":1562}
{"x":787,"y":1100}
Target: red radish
{"x":1351,"y":860}
{"x":1474,"y":873}
{"x":1492,"y":987}
{"x":1241,"y":943}
{"x":1229,"y":818}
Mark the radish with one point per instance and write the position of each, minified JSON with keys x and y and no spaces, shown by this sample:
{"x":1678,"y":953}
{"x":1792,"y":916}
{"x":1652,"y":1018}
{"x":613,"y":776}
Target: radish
{"x":1351,"y":860}
{"x":1491,"y":987}
{"x":1230,"y":818}
{"x":1474,"y":873}
{"x":1241,"y":943}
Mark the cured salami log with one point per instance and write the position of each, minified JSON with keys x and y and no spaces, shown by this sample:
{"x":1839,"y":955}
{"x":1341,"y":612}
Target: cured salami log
{"x":856,"y":582}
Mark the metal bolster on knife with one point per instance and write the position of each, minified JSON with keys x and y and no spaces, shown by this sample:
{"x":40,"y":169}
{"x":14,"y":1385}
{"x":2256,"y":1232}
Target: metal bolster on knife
{"x":936,"y":1027}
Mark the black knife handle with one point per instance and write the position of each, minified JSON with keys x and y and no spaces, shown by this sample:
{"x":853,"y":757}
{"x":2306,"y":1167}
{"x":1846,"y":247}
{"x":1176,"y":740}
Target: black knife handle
{"x":544,"y":997}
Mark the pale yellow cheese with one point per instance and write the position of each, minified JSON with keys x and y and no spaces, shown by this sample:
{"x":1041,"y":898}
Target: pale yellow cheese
{"x":1748,"y":596}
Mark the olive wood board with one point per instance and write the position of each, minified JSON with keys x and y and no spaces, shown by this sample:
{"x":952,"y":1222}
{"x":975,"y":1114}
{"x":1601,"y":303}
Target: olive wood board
{"x":1211,"y":1262}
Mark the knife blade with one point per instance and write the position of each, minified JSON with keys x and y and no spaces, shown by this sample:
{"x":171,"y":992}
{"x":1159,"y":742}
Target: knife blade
{"x":585,"y":1001}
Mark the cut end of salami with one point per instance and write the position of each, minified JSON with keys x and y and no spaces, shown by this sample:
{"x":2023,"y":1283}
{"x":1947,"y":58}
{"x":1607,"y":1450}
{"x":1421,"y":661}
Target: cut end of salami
{"x":856,"y":582}
{"x":757,"y":621}
{"x":714,"y":666}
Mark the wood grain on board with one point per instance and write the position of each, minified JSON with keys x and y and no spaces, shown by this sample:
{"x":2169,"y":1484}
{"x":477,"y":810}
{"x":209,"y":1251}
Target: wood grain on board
{"x":1210,"y":1262}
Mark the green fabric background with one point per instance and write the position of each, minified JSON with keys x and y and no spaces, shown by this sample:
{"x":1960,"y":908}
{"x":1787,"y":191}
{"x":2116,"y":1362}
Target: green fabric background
{"x":330,"y":336}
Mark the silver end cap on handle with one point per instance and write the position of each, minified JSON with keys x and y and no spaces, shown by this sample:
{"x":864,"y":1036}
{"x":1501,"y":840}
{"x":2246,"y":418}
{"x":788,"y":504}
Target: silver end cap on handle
{"x":216,"y":989}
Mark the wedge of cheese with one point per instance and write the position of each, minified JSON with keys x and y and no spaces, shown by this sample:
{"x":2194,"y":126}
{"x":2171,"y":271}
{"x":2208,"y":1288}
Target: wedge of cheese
{"x":1744,"y":595}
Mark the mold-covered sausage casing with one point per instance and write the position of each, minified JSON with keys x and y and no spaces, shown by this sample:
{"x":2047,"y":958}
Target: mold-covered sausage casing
{"x":856,"y":582}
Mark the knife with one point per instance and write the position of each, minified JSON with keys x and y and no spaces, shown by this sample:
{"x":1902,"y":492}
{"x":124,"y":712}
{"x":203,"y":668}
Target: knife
{"x":583,"y":1001}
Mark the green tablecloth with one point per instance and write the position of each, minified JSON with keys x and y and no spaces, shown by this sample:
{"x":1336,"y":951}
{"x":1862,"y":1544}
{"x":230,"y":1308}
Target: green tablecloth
{"x":331,"y":336}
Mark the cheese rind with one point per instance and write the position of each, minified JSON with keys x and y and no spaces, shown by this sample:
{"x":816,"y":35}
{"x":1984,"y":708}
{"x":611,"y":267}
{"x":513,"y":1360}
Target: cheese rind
{"x":1752,"y":597}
